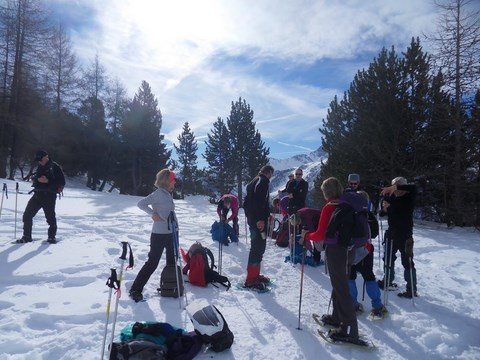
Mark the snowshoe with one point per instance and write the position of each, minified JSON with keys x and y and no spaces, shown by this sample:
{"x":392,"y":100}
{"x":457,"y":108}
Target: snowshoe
{"x":407,"y":294}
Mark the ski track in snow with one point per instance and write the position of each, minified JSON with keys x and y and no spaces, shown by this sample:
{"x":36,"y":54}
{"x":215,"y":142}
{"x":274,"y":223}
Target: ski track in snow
{"x":53,"y":297}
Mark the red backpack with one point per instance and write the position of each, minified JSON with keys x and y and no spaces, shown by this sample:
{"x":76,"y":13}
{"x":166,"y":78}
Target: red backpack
{"x":200,"y":266}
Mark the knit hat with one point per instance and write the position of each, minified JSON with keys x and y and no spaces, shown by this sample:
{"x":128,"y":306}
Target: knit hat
{"x":354,"y":178}
{"x":399,"y":181}
{"x":40,"y":154}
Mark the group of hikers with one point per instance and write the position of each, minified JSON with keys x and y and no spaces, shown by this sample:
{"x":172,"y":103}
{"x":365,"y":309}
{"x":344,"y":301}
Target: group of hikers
{"x":397,"y":204}
{"x":329,"y":229}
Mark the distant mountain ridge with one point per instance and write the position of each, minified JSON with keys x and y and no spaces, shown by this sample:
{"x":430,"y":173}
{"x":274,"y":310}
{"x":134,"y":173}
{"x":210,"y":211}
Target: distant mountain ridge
{"x":309,"y":163}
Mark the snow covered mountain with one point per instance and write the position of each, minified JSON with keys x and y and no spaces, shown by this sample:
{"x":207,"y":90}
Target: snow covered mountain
{"x":309,"y":163}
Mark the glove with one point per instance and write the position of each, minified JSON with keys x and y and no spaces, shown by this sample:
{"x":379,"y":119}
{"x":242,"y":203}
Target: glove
{"x":409,"y":247}
{"x":318,"y":245}
{"x":308,"y":245}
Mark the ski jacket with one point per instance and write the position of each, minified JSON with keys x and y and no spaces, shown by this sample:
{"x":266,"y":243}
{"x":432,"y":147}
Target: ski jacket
{"x":233,"y":206}
{"x":325,"y":216}
{"x":54,"y":173}
{"x":400,"y":212}
{"x":299,"y":190}
{"x":161,"y":202}
{"x":259,"y":200}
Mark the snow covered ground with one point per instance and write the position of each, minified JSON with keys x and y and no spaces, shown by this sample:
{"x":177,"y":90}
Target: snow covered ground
{"x":53,"y":298}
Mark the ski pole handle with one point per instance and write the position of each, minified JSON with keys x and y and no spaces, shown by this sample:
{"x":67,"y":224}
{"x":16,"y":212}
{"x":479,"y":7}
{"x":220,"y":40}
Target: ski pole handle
{"x":124,"y":250}
{"x":125,"y":247}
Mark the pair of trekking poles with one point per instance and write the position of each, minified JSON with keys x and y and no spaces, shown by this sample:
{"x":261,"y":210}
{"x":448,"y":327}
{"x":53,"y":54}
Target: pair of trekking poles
{"x":5,"y":195}
{"x":388,"y":263}
{"x":114,"y":282}
{"x":176,"y":251}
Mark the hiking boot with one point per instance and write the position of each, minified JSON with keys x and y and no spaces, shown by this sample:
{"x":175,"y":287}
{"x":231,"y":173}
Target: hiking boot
{"x":337,"y":335}
{"x":407,"y":294}
{"x":24,"y":239}
{"x":52,"y":240}
{"x":328,"y":320}
{"x":381,"y":285}
{"x":263,"y":279}
{"x":379,"y":312}
{"x":255,"y":283}
{"x":136,"y":295}
{"x":358,"y":308}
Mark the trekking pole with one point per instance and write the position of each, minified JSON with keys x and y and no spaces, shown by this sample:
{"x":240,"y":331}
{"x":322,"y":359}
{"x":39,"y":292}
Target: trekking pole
{"x":246,"y":234}
{"x":363,"y":290}
{"x":118,"y":292}
{"x":389,"y":268}
{"x":220,"y":245}
{"x":16,"y":202}
{"x":385,"y":269}
{"x":301,"y":286}
{"x":176,"y":246}
{"x":4,"y":193}
{"x":411,"y":279}
{"x":380,"y":233}
{"x":112,"y":283}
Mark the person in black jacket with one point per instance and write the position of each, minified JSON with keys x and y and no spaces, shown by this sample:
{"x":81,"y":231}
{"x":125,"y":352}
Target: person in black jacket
{"x":257,"y":210}
{"x":48,"y":180}
{"x":398,"y":205}
{"x":297,"y":192}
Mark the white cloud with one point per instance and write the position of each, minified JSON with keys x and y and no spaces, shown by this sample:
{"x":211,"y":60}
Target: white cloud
{"x":199,"y":56}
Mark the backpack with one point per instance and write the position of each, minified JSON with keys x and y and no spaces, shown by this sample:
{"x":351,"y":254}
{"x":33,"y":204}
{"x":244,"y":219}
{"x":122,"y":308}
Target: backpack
{"x":174,"y":341}
{"x":348,"y":224}
{"x":282,"y":235}
{"x":224,"y":231}
{"x":139,"y":349}
{"x":168,"y":281}
{"x":153,"y":331}
{"x":200,"y":265}
{"x":273,"y":226}
{"x":210,"y":324}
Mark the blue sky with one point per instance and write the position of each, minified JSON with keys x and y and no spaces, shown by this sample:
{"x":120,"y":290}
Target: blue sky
{"x":287,"y":59}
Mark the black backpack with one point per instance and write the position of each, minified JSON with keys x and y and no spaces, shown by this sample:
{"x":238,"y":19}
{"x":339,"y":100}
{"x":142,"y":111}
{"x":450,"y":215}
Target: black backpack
{"x":348,"y":224}
{"x":168,"y":281}
{"x":282,"y":235}
{"x":138,"y":349}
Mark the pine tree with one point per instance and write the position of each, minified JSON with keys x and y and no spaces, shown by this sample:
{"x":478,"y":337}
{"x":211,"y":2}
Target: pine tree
{"x":92,"y":113}
{"x":142,"y":143}
{"x":218,"y":154}
{"x":187,"y":157}
{"x":248,"y":149}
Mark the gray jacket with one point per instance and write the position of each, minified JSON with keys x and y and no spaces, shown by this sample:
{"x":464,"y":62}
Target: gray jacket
{"x":160,"y":202}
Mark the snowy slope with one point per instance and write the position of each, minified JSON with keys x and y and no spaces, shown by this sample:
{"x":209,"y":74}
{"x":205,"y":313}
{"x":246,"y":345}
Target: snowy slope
{"x":310,"y":164}
{"x":53,"y":297}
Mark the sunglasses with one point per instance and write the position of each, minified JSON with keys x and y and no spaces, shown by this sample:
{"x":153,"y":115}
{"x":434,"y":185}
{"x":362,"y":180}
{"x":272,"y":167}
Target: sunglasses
{"x":298,"y":174}
{"x":353,"y":184}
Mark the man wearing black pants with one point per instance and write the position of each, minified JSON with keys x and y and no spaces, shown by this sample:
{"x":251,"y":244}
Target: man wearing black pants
{"x":47,"y":182}
{"x":398,"y":205}
{"x":257,"y":210}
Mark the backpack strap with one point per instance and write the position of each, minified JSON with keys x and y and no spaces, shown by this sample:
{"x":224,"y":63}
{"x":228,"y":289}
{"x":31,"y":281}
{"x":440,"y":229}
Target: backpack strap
{"x":209,"y":254}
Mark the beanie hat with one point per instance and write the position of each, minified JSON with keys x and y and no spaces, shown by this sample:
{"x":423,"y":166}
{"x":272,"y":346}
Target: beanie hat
{"x":354,"y":178}
{"x":399,"y":181}
{"x":40,"y":154}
